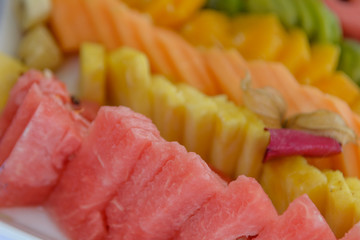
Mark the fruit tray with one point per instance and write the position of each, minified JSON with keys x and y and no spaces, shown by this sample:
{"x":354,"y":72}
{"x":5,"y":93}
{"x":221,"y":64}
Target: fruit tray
{"x":22,"y":223}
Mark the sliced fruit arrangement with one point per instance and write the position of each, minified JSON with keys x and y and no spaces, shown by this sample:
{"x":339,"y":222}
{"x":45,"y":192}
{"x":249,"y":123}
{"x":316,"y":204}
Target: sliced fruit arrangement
{"x":313,"y":16}
{"x":336,"y":197}
{"x":212,"y":71}
{"x":263,"y":37}
{"x":229,"y":137}
{"x":200,"y":123}
{"x":127,"y":181}
{"x":319,"y":24}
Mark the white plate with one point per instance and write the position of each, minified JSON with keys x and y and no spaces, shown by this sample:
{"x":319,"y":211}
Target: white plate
{"x":28,"y":223}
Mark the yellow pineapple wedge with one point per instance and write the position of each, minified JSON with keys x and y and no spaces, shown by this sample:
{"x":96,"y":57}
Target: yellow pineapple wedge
{"x":252,"y":153}
{"x":200,"y":112}
{"x":354,"y":186}
{"x":129,"y":80}
{"x":340,"y":204}
{"x":272,"y":180}
{"x":287,"y":178}
{"x":93,"y":73}
{"x":39,"y":50}
{"x":229,"y":136}
{"x":10,"y":70}
{"x":168,"y":108}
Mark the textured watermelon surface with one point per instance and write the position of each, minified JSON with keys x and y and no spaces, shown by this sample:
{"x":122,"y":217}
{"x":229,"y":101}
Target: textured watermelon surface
{"x":119,"y":179}
{"x":48,"y":85}
{"x":302,"y":220}
{"x":147,"y":167}
{"x":240,"y":210}
{"x":116,"y":139}
{"x":36,"y":113}
{"x":32,"y":169}
{"x":159,"y":210}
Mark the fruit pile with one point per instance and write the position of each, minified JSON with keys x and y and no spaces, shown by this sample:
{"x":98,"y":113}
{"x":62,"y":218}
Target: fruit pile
{"x":322,"y":21}
{"x":119,"y":179}
{"x":262,"y":36}
{"x":215,"y":100}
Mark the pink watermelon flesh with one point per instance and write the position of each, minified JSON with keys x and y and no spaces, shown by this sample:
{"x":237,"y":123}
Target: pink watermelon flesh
{"x":242,"y":209}
{"x":184,"y":184}
{"x":20,"y":121}
{"x":32,"y":169}
{"x":290,"y":142}
{"x":48,"y":86}
{"x":149,"y":165}
{"x":117,"y":138}
{"x":353,"y":234}
{"x":302,"y":220}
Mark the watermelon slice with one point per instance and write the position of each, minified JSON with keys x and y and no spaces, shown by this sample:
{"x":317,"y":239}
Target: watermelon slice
{"x":117,"y":139}
{"x":353,"y":234}
{"x":241,"y":210}
{"x":35,"y":162}
{"x":302,"y":220}
{"x":160,"y":209}
{"x":20,"y":121}
{"x":48,"y":85}
{"x":149,"y":165}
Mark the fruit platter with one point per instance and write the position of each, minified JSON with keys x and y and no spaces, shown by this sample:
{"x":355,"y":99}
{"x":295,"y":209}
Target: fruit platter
{"x":179,"y":119}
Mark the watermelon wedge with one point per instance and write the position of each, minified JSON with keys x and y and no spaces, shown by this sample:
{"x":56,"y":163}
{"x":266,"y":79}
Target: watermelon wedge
{"x":48,"y":85}
{"x":147,"y":167}
{"x":161,"y":208}
{"x":117,"y":139}
{"x":241,"y":210}
{"x":20,"y":121}
{"x":302,"y":220}
{"x":32,"y":168}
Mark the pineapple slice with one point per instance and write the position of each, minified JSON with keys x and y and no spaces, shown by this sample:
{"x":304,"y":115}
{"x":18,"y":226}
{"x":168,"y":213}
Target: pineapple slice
{"x":354,"y":186}
{"x":168,"y":108}
{"x":10,"y":70}
{"x":340,"y":205}
{"x":129,"y":80}
{"x":34,"y":12}
{"x":38,"y":49}
{"x":256,"y":140}
{"x":92,"y":75}
{"x":272,"y":181}
{"x":228,"y":136}
{"x":200,"y":112}
{"x":303,"y":178}
{"x":287,"y":178}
